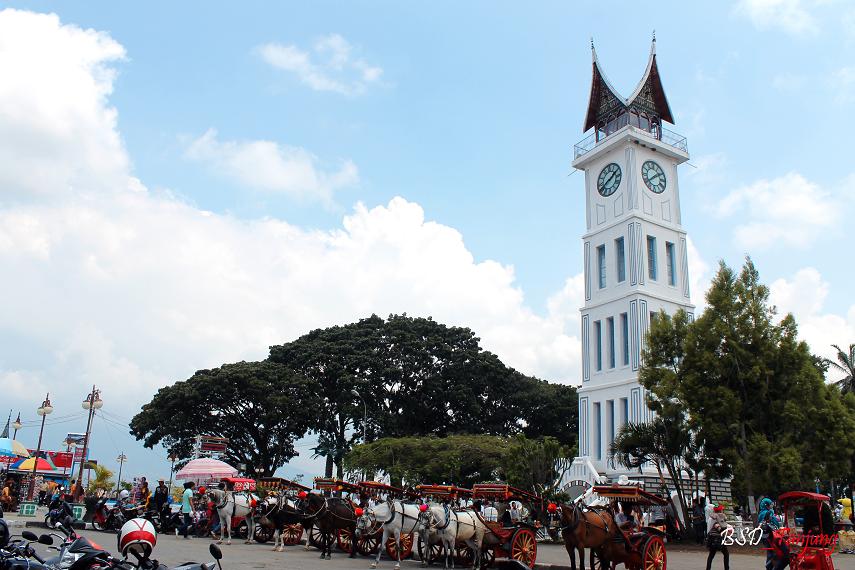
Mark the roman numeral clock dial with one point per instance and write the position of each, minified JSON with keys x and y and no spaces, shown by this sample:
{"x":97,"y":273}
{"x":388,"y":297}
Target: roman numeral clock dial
{"x":654,"y":176}
{"x":609,"y":180}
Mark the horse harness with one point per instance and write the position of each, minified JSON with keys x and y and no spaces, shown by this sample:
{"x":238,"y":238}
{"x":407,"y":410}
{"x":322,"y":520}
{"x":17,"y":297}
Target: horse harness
{"x":579,"y":517}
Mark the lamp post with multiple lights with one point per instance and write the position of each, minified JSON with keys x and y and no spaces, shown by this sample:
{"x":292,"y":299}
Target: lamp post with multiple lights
{"x":44,"y":410}
{"x":121,"y":459}
{"x":92,"y":402}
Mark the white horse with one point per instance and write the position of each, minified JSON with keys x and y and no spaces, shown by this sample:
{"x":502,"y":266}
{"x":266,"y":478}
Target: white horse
{"x":230,"y":504}
{"x":451,"y":527}
{"x":396,"y":518}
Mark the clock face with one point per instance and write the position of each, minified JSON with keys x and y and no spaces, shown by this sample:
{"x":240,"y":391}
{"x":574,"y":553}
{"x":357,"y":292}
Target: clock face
{"x":609,"y":180}
{"x":654,"y":176}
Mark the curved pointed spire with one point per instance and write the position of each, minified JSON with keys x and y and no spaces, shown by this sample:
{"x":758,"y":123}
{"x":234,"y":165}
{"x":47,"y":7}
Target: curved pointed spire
{"x":648,"y":96}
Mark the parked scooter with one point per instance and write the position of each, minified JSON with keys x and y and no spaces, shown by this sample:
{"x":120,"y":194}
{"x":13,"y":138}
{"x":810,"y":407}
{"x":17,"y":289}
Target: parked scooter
{"x":19,"y":554}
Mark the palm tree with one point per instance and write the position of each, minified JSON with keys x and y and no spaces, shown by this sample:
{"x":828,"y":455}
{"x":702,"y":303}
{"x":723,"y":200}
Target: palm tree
{"x":845,"y":364}
{"x":103,"y":480}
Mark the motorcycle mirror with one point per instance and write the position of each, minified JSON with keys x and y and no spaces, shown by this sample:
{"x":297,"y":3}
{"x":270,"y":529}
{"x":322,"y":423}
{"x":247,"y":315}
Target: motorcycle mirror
{"x":28,"y":535}
{"x":215,"y":552}
{"x":46,"y":539}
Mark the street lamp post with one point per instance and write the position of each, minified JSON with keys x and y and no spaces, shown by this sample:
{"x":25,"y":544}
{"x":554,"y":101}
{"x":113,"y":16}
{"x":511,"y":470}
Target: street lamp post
{"x":16,"y":425}
{"x":43,"y":411}
{"x":121,"y":459}
{"x":92,"y":402}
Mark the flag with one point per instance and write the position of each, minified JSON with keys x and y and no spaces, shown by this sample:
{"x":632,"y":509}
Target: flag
{"x":6,"y":429}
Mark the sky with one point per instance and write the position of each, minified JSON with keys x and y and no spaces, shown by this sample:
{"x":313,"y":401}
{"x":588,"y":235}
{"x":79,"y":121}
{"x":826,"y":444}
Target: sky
{"x":186,"y":184}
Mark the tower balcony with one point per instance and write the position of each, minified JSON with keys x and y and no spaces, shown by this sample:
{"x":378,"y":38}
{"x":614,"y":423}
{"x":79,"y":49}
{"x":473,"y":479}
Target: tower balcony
{"x":656,"y":132}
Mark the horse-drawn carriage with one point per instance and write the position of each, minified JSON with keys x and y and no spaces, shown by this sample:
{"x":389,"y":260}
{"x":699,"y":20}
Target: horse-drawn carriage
{"x":807,"y":537}
{"x":291,"y":533}
{"x":509,"y":538}
{"x":454,"y":497}
{"x":373,"y":493}
{"x":636,"y":549}
{"x":242,"y":489}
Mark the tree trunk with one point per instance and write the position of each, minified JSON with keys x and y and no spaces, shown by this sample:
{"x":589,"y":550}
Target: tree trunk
{"x":329,"y":467}
{"x":749,"y":484}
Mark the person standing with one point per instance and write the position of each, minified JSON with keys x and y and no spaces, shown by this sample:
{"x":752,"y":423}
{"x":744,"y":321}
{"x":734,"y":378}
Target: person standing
{"x":187,"y":508}
{"x":777,"y":555}
{"x":161,"y":495}
{"x":699,"y":520}
{"x":714,"y":537}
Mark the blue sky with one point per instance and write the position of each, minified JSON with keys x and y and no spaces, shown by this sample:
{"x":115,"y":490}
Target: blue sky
{"x":250,"y":132}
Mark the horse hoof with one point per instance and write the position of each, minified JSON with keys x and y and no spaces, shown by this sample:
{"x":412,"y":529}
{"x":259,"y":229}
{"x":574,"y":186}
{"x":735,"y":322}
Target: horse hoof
{"x":328,"y":556}
{"x":228,"y":543}
{"x":373,"y":565}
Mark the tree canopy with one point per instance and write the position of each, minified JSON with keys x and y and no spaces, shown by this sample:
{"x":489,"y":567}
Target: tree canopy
{"x":532,"y":464}
{"x":419,"y":378}
{"x":262,"y":407}
{"x":750,"y":391}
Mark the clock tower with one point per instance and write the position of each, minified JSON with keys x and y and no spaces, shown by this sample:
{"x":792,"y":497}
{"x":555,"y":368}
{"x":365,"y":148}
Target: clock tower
{"x":635,"y":258}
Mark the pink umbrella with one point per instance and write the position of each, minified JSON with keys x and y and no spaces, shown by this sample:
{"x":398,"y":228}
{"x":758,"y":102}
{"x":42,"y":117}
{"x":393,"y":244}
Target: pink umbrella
{"x":206,"y":468}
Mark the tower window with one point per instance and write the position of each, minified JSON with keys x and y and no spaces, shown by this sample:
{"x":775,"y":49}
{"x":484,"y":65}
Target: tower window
{"x":610,"y":419}
{"x":651,"y":257}
{"x":672,"y":263}
{"x":624,"y":333}
{"x":601,"y":262}
{"x":624,"y":411}
{"x":620,"y":255}
{"x":610,"y":326}
{"x":598,"y":342}
{"x":598,"y":431}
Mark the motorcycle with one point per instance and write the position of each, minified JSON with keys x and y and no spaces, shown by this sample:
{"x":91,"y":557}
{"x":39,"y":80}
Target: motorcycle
{"x":19,"y":555}
{"x":58,"y":510}
{"x":112,"y":518}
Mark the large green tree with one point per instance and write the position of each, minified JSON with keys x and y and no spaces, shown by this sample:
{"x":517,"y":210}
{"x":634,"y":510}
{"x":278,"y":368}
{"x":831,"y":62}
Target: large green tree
{"x":454,"y":460}
{"x":531,"y":464}
{"x":419,"y":378}
{"x":752,"y":393}
{"x":261,"y":407}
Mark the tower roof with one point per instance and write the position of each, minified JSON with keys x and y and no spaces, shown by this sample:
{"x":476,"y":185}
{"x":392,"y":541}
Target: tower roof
{"x":648,"y":96}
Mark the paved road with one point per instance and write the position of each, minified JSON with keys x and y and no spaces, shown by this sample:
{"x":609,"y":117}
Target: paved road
{"x":172,"y":550}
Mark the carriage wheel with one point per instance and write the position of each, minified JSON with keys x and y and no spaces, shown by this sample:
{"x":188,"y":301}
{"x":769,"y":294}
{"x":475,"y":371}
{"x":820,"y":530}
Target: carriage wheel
{"x":316,"y":537}
{"x":344,"y":539}
{"x":434,"y":552}
{"x":292,"y":533}
{"x":406,"y":547}
{"x":488,"y":557}
{"x":524,"y":547}
{"x":370,"y":544}
{"x":598,"y":561}
{"x":654,"y":556}
{"x":464,"y":556}
{"x":263,"y":533}
{"x":241,"y":530}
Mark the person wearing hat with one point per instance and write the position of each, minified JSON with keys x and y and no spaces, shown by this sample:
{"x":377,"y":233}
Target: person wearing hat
{"x":160,"y":496}
{"x":777,"y":555}
{"x":715,"y":538}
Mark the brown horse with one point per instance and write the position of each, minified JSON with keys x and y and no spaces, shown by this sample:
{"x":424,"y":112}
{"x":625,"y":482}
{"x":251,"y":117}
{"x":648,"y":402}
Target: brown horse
{"x":585,"y":528}
{"x":328,"y":515}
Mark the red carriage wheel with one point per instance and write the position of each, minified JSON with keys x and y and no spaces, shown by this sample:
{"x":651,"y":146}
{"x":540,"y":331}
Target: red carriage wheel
{"x":524,"y":547}
{"x":292,"y":533}
{"x":654,"y":556}
{"x":370,"y":544}
{"x":406,"y":547}
{"x":344,"y":539}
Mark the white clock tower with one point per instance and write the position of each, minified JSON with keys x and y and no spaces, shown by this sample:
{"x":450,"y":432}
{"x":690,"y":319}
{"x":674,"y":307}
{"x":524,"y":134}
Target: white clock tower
{"x":634,"y":254}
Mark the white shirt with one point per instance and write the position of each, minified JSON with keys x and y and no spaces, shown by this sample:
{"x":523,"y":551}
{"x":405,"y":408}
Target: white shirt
{"x":490,"y":514}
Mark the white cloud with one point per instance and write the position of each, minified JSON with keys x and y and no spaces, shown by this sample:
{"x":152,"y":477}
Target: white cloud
{"x":109,"y":283}
{"x":700,"y":275}
{"x":791,"y":16}
{"x":709,"y":169}
{"x":329,"y":66}
{"x":804,"y":295}
{"x":268,"y":166}
{"x":56,"y":82}
{"x":789,"y":211}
